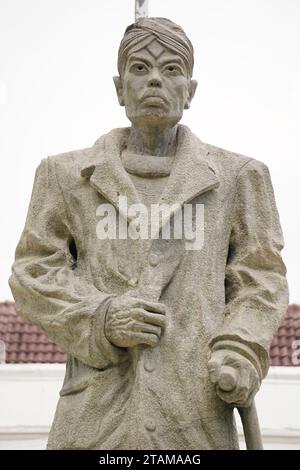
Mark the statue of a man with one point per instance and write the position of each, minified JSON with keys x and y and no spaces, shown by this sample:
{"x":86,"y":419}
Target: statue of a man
{"x":150,"y":321}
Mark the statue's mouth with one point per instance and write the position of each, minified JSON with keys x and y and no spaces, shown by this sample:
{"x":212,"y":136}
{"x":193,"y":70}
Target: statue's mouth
{"x":154,"y":100}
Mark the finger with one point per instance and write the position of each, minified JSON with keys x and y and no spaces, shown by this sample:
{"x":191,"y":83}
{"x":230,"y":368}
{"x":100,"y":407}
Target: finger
{"x":145,"y":338}
{"x":254,"y":390}
{"x":148,"y":317}
{"x":156,"y":307}
{"x":234,"y":360}
{"x":228,"y":378}
{"x":240,"y":394}
{"x":146,"y":328}
{"x":232,"y":398}
{"x":228,"y":397}
{"x":214,"y":365}
{"x":214,"y":370}
{"x":243,"y":388}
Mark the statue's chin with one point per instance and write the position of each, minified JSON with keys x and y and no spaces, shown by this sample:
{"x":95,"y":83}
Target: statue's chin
{"x":154,"y":117}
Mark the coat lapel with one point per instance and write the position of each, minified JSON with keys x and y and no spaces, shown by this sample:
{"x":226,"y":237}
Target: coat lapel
{"x":191,"y":174}
{"x":107,"y":174}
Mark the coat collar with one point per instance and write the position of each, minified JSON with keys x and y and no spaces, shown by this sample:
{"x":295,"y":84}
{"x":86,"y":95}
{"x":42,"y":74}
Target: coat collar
{"x":191,"y":174}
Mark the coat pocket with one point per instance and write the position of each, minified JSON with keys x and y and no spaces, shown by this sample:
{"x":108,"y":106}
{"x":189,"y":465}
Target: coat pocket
{"x":72,"y":388}
{"x":78,"y":377}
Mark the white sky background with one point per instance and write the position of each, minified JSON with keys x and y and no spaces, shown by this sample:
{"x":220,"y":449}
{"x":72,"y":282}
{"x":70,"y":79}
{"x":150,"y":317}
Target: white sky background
{"x":57,"y":59}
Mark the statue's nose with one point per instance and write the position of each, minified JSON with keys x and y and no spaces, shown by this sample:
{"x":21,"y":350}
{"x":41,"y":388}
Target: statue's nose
{"x":155,"y":82}
{"x":154,"y":79}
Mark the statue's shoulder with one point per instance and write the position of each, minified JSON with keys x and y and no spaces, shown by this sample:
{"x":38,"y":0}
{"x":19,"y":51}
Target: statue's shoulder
{"x":224,"y":157}
{"x":228,"y":161}
{"x":73,"y":158}
{"x":71,"y":164}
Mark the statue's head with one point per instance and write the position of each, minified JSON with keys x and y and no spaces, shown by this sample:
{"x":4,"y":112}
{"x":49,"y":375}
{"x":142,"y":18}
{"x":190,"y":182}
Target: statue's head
{"x":155,"y":64}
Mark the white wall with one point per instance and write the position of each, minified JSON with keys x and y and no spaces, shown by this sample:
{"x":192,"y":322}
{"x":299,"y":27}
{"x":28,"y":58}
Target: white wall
{"x":28,"y":397}
{"x":57,"y":59}
{"x":29,"y":393}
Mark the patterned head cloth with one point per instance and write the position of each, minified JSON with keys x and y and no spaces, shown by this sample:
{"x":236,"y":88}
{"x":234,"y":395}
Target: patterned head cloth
{"x":168,"y":34}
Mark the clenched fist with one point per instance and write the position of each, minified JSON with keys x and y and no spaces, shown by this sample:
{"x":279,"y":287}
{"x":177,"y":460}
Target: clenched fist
{"x":131,"y":321}
{"x":234,"y":376}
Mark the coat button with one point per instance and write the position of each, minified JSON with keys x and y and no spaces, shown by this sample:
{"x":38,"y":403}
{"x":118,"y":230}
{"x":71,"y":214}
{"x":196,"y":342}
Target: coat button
{"x":153,"y":259}
{"x":133,"y":282}
{"x":148,"y":365}
{"x":150,"y":425}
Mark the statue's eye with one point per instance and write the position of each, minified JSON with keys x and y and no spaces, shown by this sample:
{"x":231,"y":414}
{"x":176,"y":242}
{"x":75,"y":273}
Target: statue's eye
{"x":138,"y":68}
{"x":173,"y":69}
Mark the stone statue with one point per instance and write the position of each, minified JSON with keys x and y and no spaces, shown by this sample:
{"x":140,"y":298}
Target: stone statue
{"x":151,"y":316}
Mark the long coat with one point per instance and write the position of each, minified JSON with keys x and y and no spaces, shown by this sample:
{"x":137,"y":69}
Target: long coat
{"x":230,"y":294}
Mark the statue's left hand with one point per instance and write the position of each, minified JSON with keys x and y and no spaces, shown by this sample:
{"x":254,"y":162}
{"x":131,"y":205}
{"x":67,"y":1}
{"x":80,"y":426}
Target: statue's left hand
{"x":246,"y":381}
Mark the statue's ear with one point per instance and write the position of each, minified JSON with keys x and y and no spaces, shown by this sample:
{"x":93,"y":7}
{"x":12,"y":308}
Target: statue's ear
{"x":192,"y":90}
{"x":119,"y":89}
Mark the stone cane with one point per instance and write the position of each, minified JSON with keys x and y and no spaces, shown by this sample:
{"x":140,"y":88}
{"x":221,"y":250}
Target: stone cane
{"x":227,"y":383}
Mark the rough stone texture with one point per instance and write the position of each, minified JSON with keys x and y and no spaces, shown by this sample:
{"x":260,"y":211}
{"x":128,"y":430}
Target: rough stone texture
{"x":26,"y":343}
{"x":141,"y":318}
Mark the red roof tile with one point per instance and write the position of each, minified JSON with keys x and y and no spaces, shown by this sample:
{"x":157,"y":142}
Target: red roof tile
{"x":286,"y":343}
{"x":26,"y":343}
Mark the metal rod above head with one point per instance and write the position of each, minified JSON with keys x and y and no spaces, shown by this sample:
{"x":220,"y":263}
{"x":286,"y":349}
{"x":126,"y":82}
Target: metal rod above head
{"x":141,"y":9}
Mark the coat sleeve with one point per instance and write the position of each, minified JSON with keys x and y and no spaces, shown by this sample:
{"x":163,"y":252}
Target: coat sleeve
{"x":255,"y":282}
{"x":45,"y":285}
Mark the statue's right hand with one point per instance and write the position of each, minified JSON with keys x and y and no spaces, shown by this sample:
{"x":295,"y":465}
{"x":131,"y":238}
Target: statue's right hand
{"x":131,"y":321}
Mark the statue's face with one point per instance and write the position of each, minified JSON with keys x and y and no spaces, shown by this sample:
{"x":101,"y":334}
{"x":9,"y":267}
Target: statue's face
{"x":155,"y":86}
